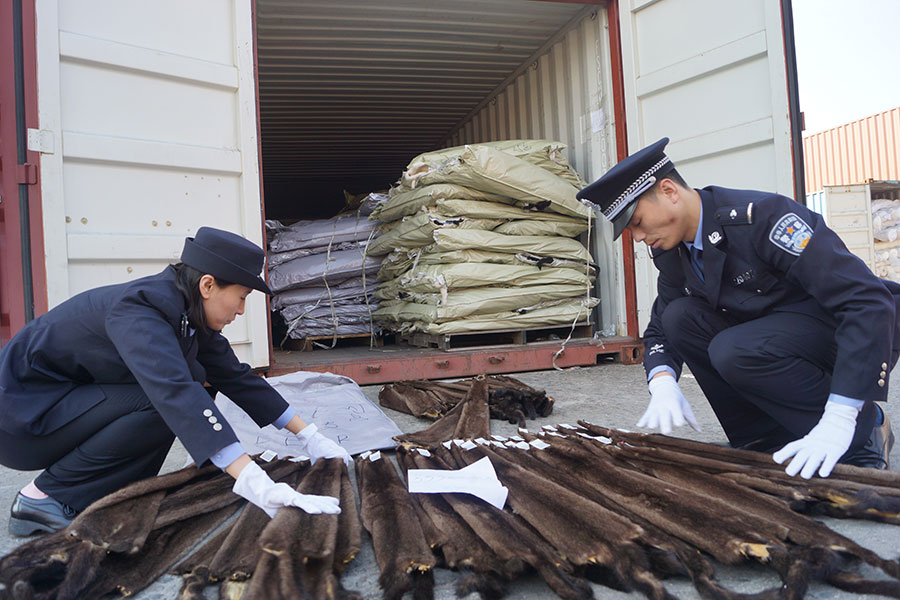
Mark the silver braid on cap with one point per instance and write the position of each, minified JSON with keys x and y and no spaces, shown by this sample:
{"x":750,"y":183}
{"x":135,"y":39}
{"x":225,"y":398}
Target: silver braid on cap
{"x":640,"y":185}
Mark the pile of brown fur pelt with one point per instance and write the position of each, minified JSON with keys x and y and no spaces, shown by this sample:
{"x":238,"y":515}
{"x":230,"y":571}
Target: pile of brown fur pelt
{"x":627,"y":511}
{"x":125,"y":541}
{"x":509,"y":399}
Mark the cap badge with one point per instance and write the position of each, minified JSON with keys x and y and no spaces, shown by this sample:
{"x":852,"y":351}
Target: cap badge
{"x":715,"y":237}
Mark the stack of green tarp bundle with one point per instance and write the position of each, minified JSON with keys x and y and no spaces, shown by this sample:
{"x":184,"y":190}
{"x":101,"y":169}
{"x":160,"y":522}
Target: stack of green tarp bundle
{"x":481,"y":238}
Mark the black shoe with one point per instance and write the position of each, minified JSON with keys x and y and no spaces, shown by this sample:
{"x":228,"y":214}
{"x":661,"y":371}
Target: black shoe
{"x":28,"y":516}
{"x":876,"y":453}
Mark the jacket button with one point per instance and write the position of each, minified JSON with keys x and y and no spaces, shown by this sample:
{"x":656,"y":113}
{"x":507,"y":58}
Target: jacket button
{"x":883,"y":374}
{"x":217,"y":427}
{"x":213,"y":420}
{"x":884,"y":366}
{"x":207,"y":413}
{"x":881,"y":383}
{"x":759,"y":291}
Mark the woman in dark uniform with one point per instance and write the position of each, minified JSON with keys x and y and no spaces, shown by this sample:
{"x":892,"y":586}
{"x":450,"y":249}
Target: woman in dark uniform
{"x":95,"y":391}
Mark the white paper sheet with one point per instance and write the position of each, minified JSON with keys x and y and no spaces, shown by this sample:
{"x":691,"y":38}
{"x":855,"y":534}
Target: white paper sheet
{"x":478,"y":479}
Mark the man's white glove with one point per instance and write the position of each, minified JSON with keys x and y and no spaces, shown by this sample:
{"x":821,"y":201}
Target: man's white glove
{"x":667,"y":407}
{"x":255,"y":485}
{"x":317,"y":446}
{"x":824,"y":445}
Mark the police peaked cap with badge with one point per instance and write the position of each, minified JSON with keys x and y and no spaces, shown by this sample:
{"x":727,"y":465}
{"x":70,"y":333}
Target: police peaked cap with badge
{"x":616,"y":193}
{"x":226,"y":256}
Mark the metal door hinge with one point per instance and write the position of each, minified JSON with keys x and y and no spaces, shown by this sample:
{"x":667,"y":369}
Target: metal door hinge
{"x":26,"y":174}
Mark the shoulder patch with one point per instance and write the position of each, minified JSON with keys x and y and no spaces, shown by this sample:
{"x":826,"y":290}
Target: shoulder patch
{"x":791,"y":234}
{"x":735,"y":215}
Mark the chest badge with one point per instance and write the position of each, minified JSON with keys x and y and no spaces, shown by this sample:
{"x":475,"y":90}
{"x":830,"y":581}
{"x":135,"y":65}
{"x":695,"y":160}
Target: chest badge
{"x":715,"y":237}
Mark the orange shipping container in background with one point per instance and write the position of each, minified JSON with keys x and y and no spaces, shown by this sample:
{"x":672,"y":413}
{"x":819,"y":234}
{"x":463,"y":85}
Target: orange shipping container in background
{"x":863,"y":150}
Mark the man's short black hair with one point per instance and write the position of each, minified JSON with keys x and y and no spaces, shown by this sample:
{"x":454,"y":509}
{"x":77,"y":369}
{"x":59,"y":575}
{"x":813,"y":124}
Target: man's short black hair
{"x":675,"y":176}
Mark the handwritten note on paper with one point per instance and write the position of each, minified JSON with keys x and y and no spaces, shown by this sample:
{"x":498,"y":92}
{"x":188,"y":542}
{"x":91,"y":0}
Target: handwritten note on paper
{"x":334,"y":403}
{"x":478,"y":479}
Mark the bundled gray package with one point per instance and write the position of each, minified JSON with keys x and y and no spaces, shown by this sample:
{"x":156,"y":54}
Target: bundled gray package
{"x":348,"y":290}
{"x":323,"y":233}
{"x":322,"y":280}
{"x":318,"y":268}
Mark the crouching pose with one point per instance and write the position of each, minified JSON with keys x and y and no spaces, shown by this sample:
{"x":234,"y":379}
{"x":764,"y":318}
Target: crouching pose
{"x":790,"y":336}
{"x":95,"y":391}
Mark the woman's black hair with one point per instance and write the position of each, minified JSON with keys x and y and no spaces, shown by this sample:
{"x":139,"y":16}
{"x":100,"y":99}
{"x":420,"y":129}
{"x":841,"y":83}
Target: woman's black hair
{"x":187,"y":280}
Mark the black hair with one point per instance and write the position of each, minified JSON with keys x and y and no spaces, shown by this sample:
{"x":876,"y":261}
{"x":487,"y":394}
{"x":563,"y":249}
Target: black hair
{"x":187,"y":280}
{"x":675,"y":176}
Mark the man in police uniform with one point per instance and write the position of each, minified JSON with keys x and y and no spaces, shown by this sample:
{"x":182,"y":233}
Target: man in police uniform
{"x":790,"y":336}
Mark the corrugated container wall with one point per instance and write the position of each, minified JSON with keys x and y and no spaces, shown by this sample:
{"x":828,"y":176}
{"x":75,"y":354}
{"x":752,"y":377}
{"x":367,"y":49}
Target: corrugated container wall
{"x":857,"y":152}
{"x":562,"y":94}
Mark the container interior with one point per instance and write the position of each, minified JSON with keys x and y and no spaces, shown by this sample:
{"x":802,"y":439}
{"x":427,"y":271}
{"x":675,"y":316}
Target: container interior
{"x":350,"y":91}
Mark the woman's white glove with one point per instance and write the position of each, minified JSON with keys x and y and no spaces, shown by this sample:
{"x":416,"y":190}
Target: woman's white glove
{"x":316,"y":446}
{"x":667,"y":407}
{"x":824,"y":445}
{"x":256,"y":486}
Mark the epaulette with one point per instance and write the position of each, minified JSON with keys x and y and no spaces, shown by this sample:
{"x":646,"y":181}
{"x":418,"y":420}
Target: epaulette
{"x":735,"y":215}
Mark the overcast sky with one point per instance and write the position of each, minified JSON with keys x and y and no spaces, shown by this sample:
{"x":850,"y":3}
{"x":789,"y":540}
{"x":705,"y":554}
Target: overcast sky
{"x":848,"y":59}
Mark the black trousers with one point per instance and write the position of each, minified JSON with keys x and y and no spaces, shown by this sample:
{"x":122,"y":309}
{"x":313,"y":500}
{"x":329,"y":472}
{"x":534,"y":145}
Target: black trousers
{"x":119,"y":441}
{"x":767,"y":379}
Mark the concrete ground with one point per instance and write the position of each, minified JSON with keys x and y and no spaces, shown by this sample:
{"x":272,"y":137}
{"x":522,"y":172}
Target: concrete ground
{"x":609,"y":394}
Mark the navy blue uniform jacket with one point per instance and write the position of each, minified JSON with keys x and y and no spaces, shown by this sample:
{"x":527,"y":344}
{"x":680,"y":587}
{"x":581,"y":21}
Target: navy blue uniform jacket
{"x":764,"y":253}
{"x":128,"y":333}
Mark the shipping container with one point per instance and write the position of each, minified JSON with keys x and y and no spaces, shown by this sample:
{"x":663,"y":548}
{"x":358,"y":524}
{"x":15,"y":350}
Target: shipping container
{"x":126,"y":125}
{"x":856,"y":152}
{"x":848,"y":210}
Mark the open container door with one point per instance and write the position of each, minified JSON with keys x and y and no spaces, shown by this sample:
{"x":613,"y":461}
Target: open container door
{"x":712,"y":77}
{"x":148,"y":131}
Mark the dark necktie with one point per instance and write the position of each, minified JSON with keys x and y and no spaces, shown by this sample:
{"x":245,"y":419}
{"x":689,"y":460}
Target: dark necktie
{"x":697,"y":261}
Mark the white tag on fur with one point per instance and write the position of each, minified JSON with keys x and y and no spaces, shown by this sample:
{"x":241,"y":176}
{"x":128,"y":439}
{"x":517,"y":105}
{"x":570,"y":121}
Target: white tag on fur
{"x":468,"y":445}
{"x":539,"y":444}
{"x":423,"y":451}
{"x":499,"y":438}
{"x":447,"y":444}
{"x":567,"y":426}
{"x":375,"y":456}
{"x":268,"y":455}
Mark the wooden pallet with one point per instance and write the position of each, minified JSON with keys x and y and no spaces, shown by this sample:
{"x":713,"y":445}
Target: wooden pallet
{"x":324,"y":342}
{"x":501,"y":337}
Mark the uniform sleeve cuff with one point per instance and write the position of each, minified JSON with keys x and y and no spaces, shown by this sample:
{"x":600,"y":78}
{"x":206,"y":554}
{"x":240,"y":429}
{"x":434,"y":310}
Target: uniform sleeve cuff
{"x":857,"y":404}
{"x":227,"y":455}
{"x":660,"y":369}
{"x":285,"y":418}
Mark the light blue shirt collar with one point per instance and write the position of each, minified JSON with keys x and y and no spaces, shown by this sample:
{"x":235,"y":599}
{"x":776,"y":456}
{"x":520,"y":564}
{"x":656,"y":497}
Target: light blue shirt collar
{"x":698,"y":238}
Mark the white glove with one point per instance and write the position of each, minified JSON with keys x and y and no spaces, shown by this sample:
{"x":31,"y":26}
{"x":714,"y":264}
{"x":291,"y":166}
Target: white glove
{"x":317,"y":446}
{"x":824,"y":445}
{"x":256,"y":486}
{"x":667,"y":407}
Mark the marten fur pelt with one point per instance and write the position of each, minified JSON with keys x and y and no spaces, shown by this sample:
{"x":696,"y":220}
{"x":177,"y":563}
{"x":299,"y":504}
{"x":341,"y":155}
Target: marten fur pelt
{"x":403,"y":556}
{"x":468,"y":419}
{"x":509,"y":399}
